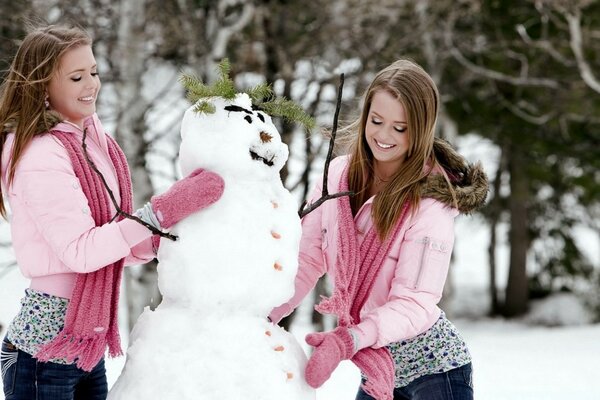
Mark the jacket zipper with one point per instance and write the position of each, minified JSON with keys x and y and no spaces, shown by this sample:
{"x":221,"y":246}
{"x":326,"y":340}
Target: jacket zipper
{"x":425,"y":242}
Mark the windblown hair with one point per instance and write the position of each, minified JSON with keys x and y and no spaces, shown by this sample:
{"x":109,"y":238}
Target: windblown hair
{"x":24,"y":91}
{"x":418,"y":94}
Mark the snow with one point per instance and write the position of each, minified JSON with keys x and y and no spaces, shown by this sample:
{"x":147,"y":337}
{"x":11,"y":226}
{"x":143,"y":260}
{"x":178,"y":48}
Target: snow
{"x":512,"y":359}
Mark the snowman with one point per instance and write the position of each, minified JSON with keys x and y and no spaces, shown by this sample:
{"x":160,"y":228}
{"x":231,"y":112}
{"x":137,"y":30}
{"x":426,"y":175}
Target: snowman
{"x":232,"y":264}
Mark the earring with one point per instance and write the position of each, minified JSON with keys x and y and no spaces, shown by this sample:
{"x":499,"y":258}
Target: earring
{"x":47,"y":103}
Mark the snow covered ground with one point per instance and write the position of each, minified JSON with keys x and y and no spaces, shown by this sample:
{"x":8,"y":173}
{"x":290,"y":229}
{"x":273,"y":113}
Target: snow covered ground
{"x":512,"y":360}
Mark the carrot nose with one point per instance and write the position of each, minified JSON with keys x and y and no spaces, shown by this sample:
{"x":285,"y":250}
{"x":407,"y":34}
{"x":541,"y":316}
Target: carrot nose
{"x":265,"y":137}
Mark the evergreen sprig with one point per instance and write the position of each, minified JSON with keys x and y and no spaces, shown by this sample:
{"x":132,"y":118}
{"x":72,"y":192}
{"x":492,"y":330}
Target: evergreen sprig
{"x":224,"y":87}
{"x":288,"y":110}
{"x":204,"y":107}
{"x":260,"y":92}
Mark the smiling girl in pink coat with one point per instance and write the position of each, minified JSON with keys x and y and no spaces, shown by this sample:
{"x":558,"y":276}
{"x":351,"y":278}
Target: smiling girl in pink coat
{"x":66,"y":233}
{"x":387,"y":248}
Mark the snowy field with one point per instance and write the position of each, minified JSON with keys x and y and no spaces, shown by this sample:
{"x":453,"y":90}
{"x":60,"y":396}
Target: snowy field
{"x":512,"y":360}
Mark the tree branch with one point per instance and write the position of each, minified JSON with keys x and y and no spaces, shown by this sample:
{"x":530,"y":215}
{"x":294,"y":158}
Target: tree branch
{"x":532,"y":119}
{"x":6,"y":267}
{"x":114,"y":201}
{"x":492,"y":74}
{"x":544,"y":45}
{"x":303,"y":211}
{"x":499,"y":76}
{"x":574,"y":20}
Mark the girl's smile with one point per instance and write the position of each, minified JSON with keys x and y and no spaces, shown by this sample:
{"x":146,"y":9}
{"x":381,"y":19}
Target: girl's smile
{"x":72,"y":91}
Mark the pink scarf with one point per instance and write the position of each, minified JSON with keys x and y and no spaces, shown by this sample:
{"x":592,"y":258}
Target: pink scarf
{"x":91,"y":320}
{"x":355,"y":272}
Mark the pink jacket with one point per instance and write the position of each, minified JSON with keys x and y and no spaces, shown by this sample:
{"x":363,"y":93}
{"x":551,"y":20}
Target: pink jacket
{"x":53,"y":234}
{"x":404,"y":298}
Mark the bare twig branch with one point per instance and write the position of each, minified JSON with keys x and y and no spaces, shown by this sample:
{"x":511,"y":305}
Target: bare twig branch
{"x":490,"y":73}
{"x":499,"y":76}
{"x":574,"y":20}
{"x":544,"y":45}
{"x":6,"y":267}
{"x":532,"y":119}
{"x":114,"y":201}
{"x":325,"y":192}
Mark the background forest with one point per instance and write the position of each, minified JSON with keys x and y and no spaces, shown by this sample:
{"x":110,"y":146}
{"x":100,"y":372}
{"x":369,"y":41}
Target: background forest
{"x":524,"y":76}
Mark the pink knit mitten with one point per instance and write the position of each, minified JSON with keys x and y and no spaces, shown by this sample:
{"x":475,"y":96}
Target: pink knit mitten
{"x":194,"y":192}
{"x":330,"y":349}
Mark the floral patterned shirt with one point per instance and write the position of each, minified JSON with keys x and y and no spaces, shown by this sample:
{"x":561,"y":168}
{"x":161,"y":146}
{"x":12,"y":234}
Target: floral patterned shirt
{"x":439,"y":349}
{"x":40,"y":319}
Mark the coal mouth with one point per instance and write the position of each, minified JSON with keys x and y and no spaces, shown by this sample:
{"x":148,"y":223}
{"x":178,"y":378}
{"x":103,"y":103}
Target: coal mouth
{"x":256,"y":157}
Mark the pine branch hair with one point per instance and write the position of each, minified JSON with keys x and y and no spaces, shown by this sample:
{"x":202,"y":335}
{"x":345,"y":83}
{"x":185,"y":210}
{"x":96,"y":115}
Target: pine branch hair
{"x":262,"y":97}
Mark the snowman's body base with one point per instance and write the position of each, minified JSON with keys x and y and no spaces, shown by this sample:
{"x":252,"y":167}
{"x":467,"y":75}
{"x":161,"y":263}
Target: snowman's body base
{"x":256,"y":360}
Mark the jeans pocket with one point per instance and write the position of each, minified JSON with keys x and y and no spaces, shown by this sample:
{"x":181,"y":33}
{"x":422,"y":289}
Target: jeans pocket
{"x":8,"y":363}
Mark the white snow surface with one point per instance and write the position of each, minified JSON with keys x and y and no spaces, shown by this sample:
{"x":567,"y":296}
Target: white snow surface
{"x":233,"y":263}
{"x":511,"y":360}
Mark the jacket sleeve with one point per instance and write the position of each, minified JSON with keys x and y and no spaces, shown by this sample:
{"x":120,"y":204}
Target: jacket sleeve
{"x":141,"y":253}
{"x":310,"y":260}
{"x":46,"y":184}
{"x":419,"y":278}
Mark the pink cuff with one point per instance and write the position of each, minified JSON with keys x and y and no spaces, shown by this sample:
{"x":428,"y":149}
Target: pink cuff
{"x":141,"y":253}
{"x":133,"y":232}
{"x":278,"y":313}
{"x":366,"y":333}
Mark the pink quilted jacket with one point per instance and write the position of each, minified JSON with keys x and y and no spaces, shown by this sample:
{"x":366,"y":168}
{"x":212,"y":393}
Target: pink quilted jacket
{"x":404,"y":298}
{"x":53,"y":234}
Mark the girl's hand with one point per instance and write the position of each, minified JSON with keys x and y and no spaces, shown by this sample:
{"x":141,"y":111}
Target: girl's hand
{"x":196,"y":191}
{"x":330,"y":349}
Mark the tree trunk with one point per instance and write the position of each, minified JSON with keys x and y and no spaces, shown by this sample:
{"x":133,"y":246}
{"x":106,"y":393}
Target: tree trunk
{"x":141,"y":284}
{"x":495,"y":209}
{"x":517,"y":295}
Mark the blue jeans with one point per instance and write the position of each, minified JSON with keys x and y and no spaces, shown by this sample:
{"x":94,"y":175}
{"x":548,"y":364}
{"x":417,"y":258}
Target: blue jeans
{"x":25,"y":378}
{"x":456,"y":384}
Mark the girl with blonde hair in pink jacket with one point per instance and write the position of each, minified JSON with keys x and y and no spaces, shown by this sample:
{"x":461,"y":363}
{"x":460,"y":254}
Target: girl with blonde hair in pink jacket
{"x":387,"y":248}
{"x":65,"y":179}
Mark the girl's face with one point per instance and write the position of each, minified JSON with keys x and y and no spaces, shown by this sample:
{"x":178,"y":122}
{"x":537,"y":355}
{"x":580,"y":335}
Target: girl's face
{"x":386,"y":133}
{"x":73,"y":89}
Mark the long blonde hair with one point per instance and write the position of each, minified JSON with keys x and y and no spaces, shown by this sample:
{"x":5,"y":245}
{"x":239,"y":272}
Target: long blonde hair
{"x":418,"y":94}
{"x":24,"y":91}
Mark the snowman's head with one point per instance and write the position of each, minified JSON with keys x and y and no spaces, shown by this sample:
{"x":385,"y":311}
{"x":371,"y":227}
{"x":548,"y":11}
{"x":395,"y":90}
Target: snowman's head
{"x":236,"y":140}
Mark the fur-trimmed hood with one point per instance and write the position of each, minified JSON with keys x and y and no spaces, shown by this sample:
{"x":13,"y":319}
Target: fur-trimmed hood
{"x":469,"y":181}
